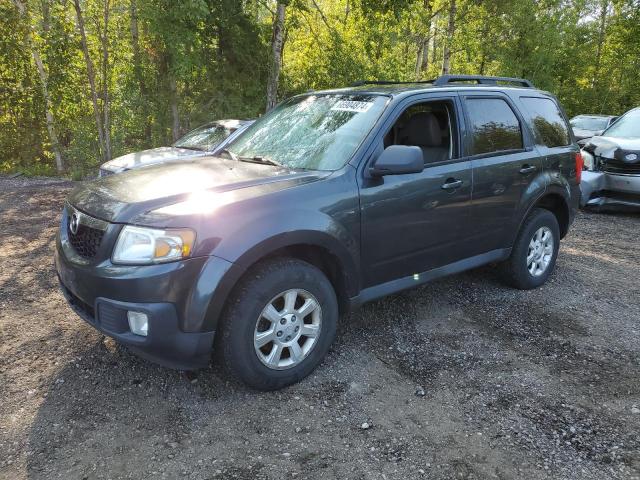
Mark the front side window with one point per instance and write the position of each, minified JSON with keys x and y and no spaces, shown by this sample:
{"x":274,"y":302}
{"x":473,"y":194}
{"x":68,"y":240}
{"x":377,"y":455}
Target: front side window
{"x":494,"y":126}
{"x":546,"y":121}
{"x":627,"y":126}
{"x":316,"y":131}
{"x":203,"y":138}
{"x":428,"y":125}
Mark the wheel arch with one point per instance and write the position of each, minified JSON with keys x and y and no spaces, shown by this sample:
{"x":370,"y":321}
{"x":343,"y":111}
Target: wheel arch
{"x":556,"y":202}
{"x":317,"y":248}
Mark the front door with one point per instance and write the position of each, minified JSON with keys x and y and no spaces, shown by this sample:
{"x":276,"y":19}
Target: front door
{"x":416,"y":222}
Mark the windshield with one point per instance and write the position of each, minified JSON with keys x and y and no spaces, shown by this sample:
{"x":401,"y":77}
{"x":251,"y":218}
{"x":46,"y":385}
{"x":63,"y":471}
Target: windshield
{"x":627,"y":126}
{"x":316,"y":131}
{"x":204,"y":138}
{"x":589,"y":123}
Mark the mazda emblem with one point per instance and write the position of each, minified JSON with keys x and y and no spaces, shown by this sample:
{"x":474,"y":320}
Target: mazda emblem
{"x":75,"y":223}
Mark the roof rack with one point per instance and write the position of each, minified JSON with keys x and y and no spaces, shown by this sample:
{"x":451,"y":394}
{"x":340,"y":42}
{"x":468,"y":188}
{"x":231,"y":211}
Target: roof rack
{"x":480,"y":79}
{"x":360,"y":83}
{"x":449,"y":79}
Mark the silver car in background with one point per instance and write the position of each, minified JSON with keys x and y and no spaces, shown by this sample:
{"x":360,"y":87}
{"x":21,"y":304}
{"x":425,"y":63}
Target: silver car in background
{"x":611,"y":179}
{"x":204,"y":140}
{"x":587,"y":126}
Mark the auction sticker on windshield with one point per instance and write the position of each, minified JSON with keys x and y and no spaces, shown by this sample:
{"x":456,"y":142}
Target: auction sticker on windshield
{"x":352,"y":106}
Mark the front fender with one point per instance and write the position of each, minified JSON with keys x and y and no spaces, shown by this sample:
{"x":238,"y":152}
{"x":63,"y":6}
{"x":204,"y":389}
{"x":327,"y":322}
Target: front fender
{"x":244,"y":249}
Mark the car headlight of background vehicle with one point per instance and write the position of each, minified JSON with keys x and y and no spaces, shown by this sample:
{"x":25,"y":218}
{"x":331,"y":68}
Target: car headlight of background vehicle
{"x":587,"y":158}
{"x":144,"y":246}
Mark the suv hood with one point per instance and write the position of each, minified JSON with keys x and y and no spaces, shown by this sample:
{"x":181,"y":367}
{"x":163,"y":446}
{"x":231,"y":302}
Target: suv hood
{"x":149,"y":157}
{"x":135,"y":193}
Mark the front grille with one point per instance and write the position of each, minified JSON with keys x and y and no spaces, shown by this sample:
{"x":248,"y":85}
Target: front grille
{"x":86,"y":240}
{"x":617,"y":166}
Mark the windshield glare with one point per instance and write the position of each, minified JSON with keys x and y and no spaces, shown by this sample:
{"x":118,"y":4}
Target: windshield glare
{"x":627,"y":126}
{"x":589,"y":123}
{"x":319,"y":132}
{"x":203,"y":138}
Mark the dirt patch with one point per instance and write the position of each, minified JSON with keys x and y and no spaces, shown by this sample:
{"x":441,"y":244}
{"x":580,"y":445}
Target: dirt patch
{"x":541,"y":384}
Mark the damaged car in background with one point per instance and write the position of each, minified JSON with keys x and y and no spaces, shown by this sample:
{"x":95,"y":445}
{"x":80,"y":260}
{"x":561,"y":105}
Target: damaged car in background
{"x":204,"y":140}
{"x":587,"y":126}
{"x":611,"y":179}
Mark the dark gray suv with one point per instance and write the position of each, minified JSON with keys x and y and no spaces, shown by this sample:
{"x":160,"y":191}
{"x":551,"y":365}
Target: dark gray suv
{"x":332,"y":199}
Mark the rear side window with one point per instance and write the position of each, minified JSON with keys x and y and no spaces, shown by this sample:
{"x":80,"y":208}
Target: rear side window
{"x":548,"y":125}
{"x":494,"y":126}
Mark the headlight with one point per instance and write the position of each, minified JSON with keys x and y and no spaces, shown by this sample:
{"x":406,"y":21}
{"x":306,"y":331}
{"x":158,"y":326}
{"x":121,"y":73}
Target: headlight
{"x":588,"y":160}
{"x":143,"y":246}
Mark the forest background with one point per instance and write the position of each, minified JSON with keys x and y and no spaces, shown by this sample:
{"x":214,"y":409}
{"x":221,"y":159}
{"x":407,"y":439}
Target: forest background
{"x":83,"y":81}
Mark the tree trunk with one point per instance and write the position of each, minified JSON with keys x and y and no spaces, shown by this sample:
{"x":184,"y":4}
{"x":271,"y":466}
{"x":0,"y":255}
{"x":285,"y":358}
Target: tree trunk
{"x":44,"y":80}
{"x":173,"y":100}
{"x":451,"y":30}
{"x":419,"y":59}
{"x":91,"y":76}
{"x":137,"y":69}
{"x":276,"y":56}
{"x":434,"y":43}
{"x":604,"y":6}
{"x":425,"y":56}
{"x":422,"y":60}
{"x":106,"y":102}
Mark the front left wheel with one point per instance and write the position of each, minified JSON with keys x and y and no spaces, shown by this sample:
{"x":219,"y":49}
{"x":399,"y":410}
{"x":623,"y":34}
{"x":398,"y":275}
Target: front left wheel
{"x":279,"y":324}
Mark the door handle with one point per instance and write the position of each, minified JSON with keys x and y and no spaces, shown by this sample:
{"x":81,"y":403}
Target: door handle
{"x":527,"y":169}
{"x":452,"y":184}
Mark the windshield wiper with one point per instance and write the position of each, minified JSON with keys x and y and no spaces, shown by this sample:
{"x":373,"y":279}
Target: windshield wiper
{"x":233,"y":156}
{"x":259,"y":159}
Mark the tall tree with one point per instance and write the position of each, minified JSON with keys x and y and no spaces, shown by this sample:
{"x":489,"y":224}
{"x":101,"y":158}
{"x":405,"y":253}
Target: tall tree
{"x":422,"y":58}
{"x":44,"y":80}
{"x":451,"y":30}
{"x":602,"y":29}
{"x":138,"y":70}
{"x":276,"y":54}
{"x":92,"y":79}
{"x":106,"y":103}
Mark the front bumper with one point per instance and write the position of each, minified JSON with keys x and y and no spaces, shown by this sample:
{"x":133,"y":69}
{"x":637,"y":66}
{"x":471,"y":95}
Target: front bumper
{"x":603,"y":190}
{"x":175,"y":296}
{"x":165,"y":344}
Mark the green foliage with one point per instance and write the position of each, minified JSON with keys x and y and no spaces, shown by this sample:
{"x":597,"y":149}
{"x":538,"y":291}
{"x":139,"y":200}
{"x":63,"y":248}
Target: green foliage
{"x":208,"y":59}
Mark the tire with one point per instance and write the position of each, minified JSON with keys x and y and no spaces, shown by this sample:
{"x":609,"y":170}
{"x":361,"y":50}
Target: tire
{"x":248,"y":314}
{"x":518,"y":271}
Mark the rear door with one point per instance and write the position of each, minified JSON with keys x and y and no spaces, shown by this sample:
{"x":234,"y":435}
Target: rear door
{"x":505,"y":165}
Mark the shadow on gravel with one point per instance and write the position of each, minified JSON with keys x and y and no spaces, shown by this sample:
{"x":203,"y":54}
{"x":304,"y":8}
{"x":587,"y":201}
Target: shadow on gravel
{"x":108,"y":410}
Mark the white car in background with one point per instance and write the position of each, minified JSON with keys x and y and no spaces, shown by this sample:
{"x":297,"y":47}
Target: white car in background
{"x":202,"y":141}
{"x":587,"y":126}
{"x":611,"y":179}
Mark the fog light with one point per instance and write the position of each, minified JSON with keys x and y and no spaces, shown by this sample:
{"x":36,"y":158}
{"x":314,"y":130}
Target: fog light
{"x":138,"y":323}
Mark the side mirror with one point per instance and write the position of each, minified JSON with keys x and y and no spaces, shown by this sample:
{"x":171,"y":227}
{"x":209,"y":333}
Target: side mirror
{"x":398,"y":160}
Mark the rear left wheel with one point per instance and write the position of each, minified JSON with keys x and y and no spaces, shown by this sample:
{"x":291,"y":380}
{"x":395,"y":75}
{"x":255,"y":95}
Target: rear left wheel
{"x":534,"y":252}
{"x":279,"y":324}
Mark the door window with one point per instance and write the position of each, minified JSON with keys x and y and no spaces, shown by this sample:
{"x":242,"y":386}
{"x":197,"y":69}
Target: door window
{"x":494,"y":126}
{"x":548,"y":125}
{"x":428,"y":125}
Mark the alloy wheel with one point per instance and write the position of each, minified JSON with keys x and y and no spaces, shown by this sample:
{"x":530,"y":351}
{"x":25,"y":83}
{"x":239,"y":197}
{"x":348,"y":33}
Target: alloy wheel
{"x":540,"y":251}
{"x":287,"y":329}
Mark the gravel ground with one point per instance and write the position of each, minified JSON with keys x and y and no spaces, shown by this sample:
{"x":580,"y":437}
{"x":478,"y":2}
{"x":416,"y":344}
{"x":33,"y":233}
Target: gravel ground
{"x":463,"y":378}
